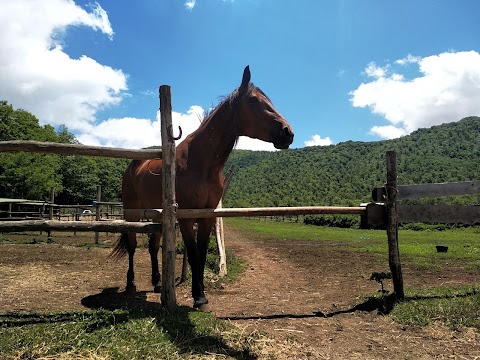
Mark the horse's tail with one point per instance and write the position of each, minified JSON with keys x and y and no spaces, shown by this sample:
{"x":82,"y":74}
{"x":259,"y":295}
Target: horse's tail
{"x":120,"y":248}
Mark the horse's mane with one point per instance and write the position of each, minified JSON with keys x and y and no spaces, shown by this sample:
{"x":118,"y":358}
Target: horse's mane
{"x":230,"y":99}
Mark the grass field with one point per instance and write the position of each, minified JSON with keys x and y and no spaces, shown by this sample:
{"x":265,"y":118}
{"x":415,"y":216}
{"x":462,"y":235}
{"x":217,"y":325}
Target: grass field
{"x":416,"y":247}
{"x":454,"y":306}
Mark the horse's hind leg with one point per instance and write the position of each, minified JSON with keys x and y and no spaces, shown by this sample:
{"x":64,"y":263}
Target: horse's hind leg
{"x":153,"y":247}
{"x":131,"y":246}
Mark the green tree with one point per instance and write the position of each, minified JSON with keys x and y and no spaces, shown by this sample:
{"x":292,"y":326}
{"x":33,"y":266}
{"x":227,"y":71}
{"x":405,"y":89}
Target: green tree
{"x":26,"y":175}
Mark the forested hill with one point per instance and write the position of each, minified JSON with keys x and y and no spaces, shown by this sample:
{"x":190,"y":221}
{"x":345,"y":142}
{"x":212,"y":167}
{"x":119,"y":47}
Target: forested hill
{"x":345,"y":174}
{"x":342,"y":174}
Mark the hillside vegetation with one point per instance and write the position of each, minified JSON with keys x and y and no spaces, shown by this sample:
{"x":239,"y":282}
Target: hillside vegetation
{"x":345,"y":174}
{"x":342,"y":174}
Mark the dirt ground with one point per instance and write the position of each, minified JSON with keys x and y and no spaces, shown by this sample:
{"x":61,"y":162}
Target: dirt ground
{"x":303,"y":292}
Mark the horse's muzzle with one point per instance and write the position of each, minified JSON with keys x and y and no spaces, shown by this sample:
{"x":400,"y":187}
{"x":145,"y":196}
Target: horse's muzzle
{"x":284,"y":139}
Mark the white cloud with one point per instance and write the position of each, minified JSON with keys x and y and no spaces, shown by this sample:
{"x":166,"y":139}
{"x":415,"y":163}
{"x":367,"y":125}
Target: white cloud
{"x":246,"y":143}
{"x":134,"y":133}
{"x":373,"y":70}
{"x":387,"y":132}
{"x":190,"y":4}
{"x":410,"y":59}
{"x":124,"y":133}
{"x":447,"y":90}
{"x":37,"y":75}
{"x":316,"y":140}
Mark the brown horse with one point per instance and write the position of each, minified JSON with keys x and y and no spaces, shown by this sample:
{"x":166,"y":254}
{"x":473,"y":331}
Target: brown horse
{"x":200,"y":159}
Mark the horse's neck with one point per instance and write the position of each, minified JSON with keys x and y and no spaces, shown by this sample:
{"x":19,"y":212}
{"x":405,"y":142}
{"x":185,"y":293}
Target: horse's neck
{"x":215,"y":138}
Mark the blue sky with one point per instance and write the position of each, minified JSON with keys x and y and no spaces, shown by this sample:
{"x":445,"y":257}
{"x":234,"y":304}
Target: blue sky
{"x":337,"y":70}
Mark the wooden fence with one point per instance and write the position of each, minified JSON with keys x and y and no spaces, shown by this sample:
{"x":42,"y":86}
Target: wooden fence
{"x":397,"y":213}
{"x":385,"y":213}
{"x":458,"y":214}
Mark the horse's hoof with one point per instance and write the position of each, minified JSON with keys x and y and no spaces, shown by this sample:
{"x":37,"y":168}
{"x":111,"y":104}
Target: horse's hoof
{"x":202,"y":305}
{"x":131,"y":289}
{"x":157,"y":289}
{"x":203,"y":308}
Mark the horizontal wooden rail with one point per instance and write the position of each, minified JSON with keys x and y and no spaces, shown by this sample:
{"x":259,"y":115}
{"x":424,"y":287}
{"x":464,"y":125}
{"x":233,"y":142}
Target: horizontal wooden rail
{"x":244,"y":212}
{"x":69,"y":206}
{"x":77,"y":149}
{"x":439,"y":214}
{"x":156,"y":214}
{"x":430,"y":190}
{"x":98,"y":226}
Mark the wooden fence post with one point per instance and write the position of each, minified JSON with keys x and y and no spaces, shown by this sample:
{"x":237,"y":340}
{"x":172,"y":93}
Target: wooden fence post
{"x":97,"y":209}
{"x":392,"y":225}
{"x":50,"y":210}
{"x":168,"y":296}
{"x":220,"y":236}
{"x":219,"y":232}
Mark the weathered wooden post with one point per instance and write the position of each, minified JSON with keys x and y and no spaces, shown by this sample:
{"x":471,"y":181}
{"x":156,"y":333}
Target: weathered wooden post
{"x":219,"y":233}
{"x":184,"y":275}
{"x":97,"y":209}
{"x":168,"y":296}
{"x":50,"y":211}
{"x":392,"y":225}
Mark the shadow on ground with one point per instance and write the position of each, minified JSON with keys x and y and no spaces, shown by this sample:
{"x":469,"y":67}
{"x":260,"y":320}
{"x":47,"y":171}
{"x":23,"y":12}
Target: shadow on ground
{"x":382,"y":305}
{"x":190,"y":331}
{"x":178,"y":324}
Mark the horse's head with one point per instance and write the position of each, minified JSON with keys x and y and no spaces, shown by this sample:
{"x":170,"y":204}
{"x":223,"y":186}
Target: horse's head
{"x":258,"y":118}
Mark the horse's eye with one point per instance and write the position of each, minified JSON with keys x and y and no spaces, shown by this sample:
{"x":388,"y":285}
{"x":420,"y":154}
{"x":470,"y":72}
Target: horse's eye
{"x":254,"y":99}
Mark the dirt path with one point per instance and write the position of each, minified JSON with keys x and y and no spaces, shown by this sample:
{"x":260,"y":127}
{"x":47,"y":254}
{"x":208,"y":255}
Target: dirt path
{"x":295,"y":292}
{"x":286,"y":284}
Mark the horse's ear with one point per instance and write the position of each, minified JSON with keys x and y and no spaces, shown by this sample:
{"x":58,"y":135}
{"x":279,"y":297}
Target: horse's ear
{"x":245,"y":79}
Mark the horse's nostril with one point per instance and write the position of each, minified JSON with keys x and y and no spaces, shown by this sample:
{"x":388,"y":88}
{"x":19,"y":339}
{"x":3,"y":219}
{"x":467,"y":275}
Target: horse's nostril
{"x":288,"y":132}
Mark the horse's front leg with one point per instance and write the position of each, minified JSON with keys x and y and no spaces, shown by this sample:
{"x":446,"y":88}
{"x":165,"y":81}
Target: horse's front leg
{"x":195,"y":261}
{"x":205,"y":227}
{"x":153,"y":246}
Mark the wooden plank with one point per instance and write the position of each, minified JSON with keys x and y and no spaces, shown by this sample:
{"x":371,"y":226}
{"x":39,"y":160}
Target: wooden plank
{"x":70,"y":206}
{"x":115,"y":226}
{"x":430,"y":190}
{"x":77,"y":149}
{"x":440,"y":189}
{"x":444,"y":214}
{"x":109,"y":203}
{"x":133,"y":214}
{"x":168,"y":296}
